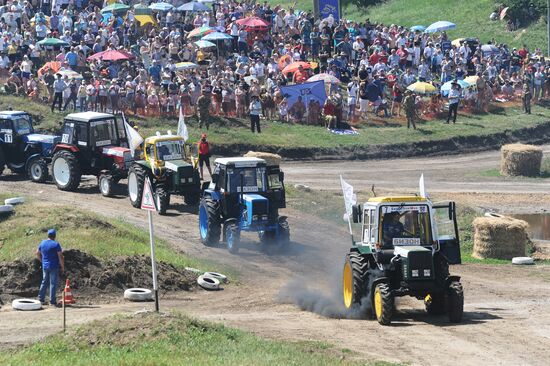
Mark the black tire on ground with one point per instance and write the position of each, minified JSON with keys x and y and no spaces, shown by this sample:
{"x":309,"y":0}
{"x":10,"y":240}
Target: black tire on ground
{"x":106,"y":184}
{"x":441,"y":269}
{"x":455,"y":302}
{"x":436,"y":306}
{"x":213,"y":222}
{"x":37,"y":170}
{"x":163,"y":199}
{"x":192,"y":199}
{"x":74,"y":172}
{"x":137,"y":173}
{"x":232,"y":237}
{"x":284,"y":233}
{"x":383,"y":311}
{"x":359,"y":266}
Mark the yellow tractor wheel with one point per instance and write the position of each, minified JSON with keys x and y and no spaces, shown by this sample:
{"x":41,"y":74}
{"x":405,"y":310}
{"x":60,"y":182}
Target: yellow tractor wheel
{"x":383,"y":303}
{"x":354,"y":280}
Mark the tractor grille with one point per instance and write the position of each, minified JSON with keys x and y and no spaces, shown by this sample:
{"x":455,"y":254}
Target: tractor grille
{"x":420,"y":265}
{"x":259,"y":207}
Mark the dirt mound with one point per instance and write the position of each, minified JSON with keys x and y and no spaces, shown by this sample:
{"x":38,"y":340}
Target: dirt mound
{"x":90,"y":277}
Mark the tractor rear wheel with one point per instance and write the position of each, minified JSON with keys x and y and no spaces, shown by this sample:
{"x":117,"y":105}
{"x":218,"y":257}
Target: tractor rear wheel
{"x":232,"y":237}
{"x":66,"y":170}
{"x":209,"y":222}
{"x":455,"y":302}
{"x":136,"y":182}
{"x":435,"y":304}
{"x":383,"y":303}
{"x":37,"y":170}
{"x":192,"y":199}
{"x":163,"y":199}
{"x":106,"y":185}
{"x":355,"y":282}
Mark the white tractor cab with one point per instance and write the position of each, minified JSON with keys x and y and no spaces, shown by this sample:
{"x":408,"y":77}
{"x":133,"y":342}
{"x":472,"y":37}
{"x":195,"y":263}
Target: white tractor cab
{"x":406,"y":246}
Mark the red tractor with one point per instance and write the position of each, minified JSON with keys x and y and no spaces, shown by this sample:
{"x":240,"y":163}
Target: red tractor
{"x":91,"y":144}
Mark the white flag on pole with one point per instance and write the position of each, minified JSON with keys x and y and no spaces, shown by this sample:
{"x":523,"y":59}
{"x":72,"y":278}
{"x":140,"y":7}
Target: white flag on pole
{"x":350,"y":199}
{"x":134,"y":138}
{"x":182,"y":127}
{"x":422,"y":187}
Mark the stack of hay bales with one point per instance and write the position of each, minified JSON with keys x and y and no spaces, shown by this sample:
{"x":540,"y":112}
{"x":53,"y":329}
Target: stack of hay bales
{"x":499,"y":237}
{"x":270,"y":159}
{"x":520,"y":159}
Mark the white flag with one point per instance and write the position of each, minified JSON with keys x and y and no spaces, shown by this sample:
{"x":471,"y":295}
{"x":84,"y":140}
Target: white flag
{"x":350,"y":199}
{"x":134,"y":138}
{"x":422,"y":187}
{"x":182,"y":127}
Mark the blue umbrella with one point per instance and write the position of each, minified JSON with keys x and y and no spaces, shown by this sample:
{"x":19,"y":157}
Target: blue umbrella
{"x":161,"y":6}
{"x":193,"y":6}
{"x":419,"y":28}
{"x":216,"y":36}
{"x":449,"y":84}
{"x":440,"y":26}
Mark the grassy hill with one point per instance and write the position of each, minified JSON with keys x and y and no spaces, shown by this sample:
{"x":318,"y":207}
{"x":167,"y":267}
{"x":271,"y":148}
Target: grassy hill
{"x":471,"y":18}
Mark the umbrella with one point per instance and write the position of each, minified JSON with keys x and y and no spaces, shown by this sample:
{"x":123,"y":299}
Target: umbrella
{"x":52,"y":65}
{"x":440,"y":26}
{"x":204,"y":44}
{"x":185,"y":66}
{"x":193,"y":6}
{"x":503,"y":13}
{"x":419,"y":28}
{"x":327,"y":78}
{"x":472,"y":80}
{"x":52,"y":42}
{"x":456,"y":42}
{"x":200,"y":32}
{"x":161,"y":6}
{"x":449,"y":84}
{"x":70,"y":74}
{"x":253,"y":24}
{"x":489,"y":48}
{"x":216,"y":36}
{"x":111,"y":55}
{"x":293,"y":67}
{"x":116,"y":7}
{"x":422,"y":88}
{"x":248,"y":79}
{"x":284,"y":60}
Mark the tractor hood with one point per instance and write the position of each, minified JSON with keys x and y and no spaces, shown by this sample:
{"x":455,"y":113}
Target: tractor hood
{"x":173,"y":165}
{"x":46,"y":139}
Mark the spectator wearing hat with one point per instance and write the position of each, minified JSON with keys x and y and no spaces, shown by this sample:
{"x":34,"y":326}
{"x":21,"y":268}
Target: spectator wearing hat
{"x":50,"y":255}
{"x":454,"y":98}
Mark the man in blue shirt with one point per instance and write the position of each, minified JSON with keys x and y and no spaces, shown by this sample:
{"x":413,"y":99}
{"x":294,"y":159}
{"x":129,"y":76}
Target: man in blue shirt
{"x":49,"y":254}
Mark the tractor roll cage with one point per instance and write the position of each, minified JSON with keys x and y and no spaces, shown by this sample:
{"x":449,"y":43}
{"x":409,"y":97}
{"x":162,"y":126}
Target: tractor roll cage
{"x":84,"y":138}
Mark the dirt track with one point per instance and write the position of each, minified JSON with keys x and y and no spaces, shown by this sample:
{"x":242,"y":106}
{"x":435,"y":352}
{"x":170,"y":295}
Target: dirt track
{"x":506,"y":307}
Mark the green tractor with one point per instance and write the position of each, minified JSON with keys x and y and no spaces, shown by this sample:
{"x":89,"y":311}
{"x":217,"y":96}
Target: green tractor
{"x":171,"y":170}
{"x":407,"y":244}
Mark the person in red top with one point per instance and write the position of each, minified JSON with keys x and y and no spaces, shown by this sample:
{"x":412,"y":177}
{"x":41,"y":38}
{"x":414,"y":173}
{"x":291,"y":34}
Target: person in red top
{"x":373,"y":59}
{"x":403,"y":54}
{"x":523,"y":52}
{"x":204,"y":154}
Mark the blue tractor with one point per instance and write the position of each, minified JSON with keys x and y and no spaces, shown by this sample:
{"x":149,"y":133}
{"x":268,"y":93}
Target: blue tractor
{"x":22,"y":150}
{"x":245,"y":194}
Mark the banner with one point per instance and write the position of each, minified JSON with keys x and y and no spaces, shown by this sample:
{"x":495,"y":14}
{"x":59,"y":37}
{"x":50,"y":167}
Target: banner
{"x":134,"y":137}
{"x":182,"y":127}
{"x":328,"y":7}
{"x":308,"y":91}
{"x":350,"y":199}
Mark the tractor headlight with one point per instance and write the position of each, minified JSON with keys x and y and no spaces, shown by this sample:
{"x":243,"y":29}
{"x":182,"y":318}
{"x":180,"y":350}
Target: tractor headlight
{"x":264,"y":217}
{"x":254,"y":217}
{"x":414,"y":273}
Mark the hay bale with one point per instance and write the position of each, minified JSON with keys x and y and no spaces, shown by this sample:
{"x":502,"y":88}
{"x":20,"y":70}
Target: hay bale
{"x":520,"y":159}
{"x":270,"y":159}
{"x":499,"y":237}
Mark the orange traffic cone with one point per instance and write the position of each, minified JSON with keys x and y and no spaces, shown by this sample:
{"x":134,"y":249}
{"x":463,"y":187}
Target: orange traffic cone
{"x":68,"y":295}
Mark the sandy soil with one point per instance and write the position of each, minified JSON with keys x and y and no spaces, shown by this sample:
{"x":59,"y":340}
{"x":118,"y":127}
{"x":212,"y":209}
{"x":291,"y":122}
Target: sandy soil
{"x":506,"y":307}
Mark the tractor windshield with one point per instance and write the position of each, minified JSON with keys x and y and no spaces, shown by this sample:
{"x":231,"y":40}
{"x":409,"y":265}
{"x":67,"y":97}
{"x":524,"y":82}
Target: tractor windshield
{"x":250,"y":179}
{"x":169,"y":150}
{"x":22,"y":124}
{"x":103,"y":132}
{"x":405,"y":225}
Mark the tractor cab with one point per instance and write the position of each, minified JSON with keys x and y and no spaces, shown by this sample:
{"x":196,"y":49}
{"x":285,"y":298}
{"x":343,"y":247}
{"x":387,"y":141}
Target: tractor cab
{"x":93,"y":131}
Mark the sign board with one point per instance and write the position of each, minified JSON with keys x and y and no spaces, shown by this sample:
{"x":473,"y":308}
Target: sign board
{"x":328,"y":8}
{"x":148,"y":199}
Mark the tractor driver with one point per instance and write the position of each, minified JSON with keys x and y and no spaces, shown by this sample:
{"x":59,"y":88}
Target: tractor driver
{"x":392,"y":228}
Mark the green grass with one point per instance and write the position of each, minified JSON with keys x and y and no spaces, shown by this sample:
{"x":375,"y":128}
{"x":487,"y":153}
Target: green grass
{"x":277,"y":134}
{"x":471,"y":19}
{"x":174,"y":339}
{"x":102,"y":237}
{"x":495,"y":172}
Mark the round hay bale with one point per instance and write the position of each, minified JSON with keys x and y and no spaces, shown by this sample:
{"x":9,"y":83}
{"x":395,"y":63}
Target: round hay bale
{"x":499,"y":237}
{"x":520,"y":160}
{"x":270,"y":159}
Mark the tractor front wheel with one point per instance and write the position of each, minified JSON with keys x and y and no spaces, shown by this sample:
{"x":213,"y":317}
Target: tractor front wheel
{"x":283,"y":237}
{"x":136,"y":182}
{"x":163,"y":199}
{"x":355,"y":283}
{"x":435,"y":304}
{"x":37,"y":170}
{"x":455,"y":302}
{"x":232,"y":237}
{"x":383,"y":303}
{"x":209,"y":222}
{"x":192,"y":199}
{"x":66,"y":170}
{"x":106,"y":183}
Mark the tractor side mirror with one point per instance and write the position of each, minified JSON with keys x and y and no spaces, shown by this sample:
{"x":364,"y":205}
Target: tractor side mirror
{"x":282,"y":176}
{"x":451,"y":211}
{"x":356,"y":214}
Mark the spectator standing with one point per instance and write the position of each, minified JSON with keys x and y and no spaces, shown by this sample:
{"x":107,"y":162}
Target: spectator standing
{"x":410,"y":108}
{"x":49,"y":253}
{"x":204,"y":155}
{"x":526,"y":97}
{"x":454,"y":98}
{"x":255,"y":111}
{"x":59,"y":87}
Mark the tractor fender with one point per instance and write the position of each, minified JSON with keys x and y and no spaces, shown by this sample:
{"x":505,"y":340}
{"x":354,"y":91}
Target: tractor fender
{"x":231,"y":220}
{"x":30,"y":158}
{"x":71,"y":148}
{"x":378,"y":280}
{"x":450,"y":279}
{"x":281,"y":218}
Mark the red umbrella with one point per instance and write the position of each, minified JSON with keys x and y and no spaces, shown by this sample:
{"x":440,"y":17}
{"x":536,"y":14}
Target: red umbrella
{"x":293,"y":67}
{"x":253,"y":24}
{"x":111,"y":55}
{"x":52,"y":65}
